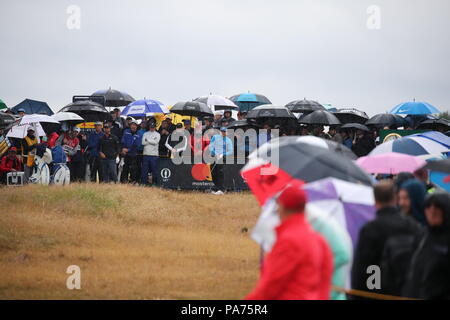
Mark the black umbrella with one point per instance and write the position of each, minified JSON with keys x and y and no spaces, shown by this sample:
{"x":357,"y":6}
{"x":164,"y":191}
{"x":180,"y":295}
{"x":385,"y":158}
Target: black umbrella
{"x":333,"y":146}
{"x":240,"y":124}
{"x":439,"y":166}
{"x":192,"y":108}
{"x":433,"y":124}
{"x":7,"y":120}
{"x":304,"y":106}
{"x":272,"y":115}
{"x":320,"y":117}
{"x":306,"y":162}
{"x":356,"y":126}
{"x":88,"y":110}
{"x":351,"y":115}
{"x":114,"y":98}
{"x":386,"y":119}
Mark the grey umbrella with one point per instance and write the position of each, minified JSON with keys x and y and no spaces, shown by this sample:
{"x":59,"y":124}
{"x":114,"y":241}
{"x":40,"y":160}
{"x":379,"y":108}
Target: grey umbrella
{"x":304,"y":106}
{"x":320,"y":117}
{"x":192,"y":108}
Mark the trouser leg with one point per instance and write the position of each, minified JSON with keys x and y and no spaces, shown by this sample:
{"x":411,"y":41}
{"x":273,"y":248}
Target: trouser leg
{"x":144,"y":171}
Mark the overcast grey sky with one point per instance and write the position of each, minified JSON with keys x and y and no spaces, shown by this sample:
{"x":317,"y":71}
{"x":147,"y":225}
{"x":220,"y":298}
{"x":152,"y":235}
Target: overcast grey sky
{"x":176,"y":50}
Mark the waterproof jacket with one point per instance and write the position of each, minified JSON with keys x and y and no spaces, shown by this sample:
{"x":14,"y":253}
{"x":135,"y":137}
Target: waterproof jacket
{"x":131,"y":141}
{"x":150,"y":141}
{"x":298,"y":267}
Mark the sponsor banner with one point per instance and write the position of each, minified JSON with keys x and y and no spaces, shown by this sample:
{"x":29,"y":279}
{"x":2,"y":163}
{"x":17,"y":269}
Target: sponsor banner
{"x":198,"y":176}
{"x":388,"y":135}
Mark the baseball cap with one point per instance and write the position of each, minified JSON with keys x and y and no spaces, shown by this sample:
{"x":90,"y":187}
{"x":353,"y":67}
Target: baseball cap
{"x":179,"y":125}
{"x":77,"y":129}
{"x":223,"y":129}
{"x":134,"y":121}
{"x":13,"y":149}
{"x":187,"y":121}
{"x":293,"y":198}
{"x":98,"y":123}
{"x":106,"y":125}
{"x":21,"y":110}
{"x":152,"y":125}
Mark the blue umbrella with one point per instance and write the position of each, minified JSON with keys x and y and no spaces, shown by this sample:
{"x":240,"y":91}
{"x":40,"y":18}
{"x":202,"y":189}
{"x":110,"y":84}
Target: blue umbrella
{"x":248,"y":101}
{"x":414,"y":108}
{"x":141,"y":108}
{"x":412,"y":145}
{"x":435,"y":136}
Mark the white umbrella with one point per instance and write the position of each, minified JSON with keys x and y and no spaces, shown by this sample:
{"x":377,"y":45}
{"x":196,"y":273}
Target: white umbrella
{"x":21,"y":131}
{"x":36,"y":118}
{"x":214,"y":100}
{"x":68,"y":116}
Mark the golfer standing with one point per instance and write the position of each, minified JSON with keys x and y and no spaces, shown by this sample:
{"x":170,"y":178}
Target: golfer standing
{"x":220,"y":146}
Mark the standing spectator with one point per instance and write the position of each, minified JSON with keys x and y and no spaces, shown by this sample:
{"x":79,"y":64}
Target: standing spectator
{"x":21,"y":112}
{"x":335,"y":135}
{"x":373,"y":236}
{"x":208,"y":124}
{"x":188,"y":126}
{"x":217,"y":119}
{"x":177,"y":147}
{"x":29,"y":144}
{"x":264,"y":135}
{"x":142,"y":129}
{"x":363,"y":143}
{"x":299,"y":265}
{"x":150,"y":141}
{"x":346,"y":138}
{"x":109,"y":148}
{"x":227,"y":117}
{"x":171,"y":126}
{"x":10,"y":163}
{"x":220,"y":146}
{"x":78,"y":160}
{"x":428,"y":276}
{"x":118,"y":120}
{"x":130,"y":144}
{"x":71,"y":146}
{"x":95,"y":163}
{"x":411,"y":200}
{"x":162,"y":149}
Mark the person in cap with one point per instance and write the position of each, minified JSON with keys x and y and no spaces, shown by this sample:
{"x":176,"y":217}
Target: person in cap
{"x":21,"y":112}
{"x":188,"y":126}
{"x":29,"y":144}
{"x":227,"y":117}
{"x":10,"y":163}
{"x":209,"y":122}
{"x":109,"y":148}
{"x":94,"y":159}
{"x":129,"y":144}
{"x":335,"y":135}
{"x":220,"y":146}
{"x":171,"y":127}
{"x":150,"y":141}
{"x":177,"y":141}
{"x":217,"y":119}
{"x":117,"y":120}
{"x":299,"y":265}
{"x":71,"y":145}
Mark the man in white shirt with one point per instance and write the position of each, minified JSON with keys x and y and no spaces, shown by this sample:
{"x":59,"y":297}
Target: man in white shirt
{"x":150,"y":141}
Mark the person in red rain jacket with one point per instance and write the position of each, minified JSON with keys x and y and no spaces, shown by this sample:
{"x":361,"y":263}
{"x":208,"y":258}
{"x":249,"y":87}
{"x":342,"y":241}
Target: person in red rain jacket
{"x":10,"y":163}
{"x":300,"y":264}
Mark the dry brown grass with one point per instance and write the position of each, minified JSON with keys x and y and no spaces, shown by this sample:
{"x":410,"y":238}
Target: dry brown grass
{"x":159,"y":245}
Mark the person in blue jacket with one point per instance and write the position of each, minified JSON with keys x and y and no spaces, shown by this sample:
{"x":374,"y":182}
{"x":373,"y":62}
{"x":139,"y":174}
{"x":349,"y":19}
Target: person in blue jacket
{"x":130,"y":144}
{"x":220,"y":146}
{"x":95,"y":163}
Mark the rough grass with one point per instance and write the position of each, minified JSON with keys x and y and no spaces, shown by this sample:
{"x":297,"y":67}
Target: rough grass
{"x":130,"y":243}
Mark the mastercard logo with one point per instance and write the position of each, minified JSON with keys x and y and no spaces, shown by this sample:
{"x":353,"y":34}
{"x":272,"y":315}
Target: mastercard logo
{"x":201,"y":172}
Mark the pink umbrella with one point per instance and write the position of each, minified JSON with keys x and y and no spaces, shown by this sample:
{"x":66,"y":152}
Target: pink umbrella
{"x":390,"y":163}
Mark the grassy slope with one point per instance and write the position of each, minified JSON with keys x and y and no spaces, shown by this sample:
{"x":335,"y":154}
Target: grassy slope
{"x":130,"y":243}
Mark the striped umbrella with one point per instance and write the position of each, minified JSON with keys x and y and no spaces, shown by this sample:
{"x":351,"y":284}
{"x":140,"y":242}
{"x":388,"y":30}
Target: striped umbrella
{"x":412,"y":145}
{"x":141,"y":108}
{"x":414,"y":108}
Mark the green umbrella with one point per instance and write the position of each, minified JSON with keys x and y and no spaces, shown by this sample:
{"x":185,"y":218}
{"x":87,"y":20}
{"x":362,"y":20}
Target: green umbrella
{"x":2,"y":105}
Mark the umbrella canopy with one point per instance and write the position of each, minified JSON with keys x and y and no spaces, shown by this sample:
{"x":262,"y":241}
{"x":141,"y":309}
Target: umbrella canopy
{"x":33,"y":106}
{"x":433,"y":124}
{"x":219,"y":102}
{"x":435,"y":136}
{"x":20,"y":132}
{"x":351,"y":115}
{"x":390,"y":163}
{"x":270,"y":111}
{"x":324,"y":143}
{"x":412,"y":145}
{"x":2,"y":104}
{"x":88,"y":110}
{"x":284,"y":160}
{"x":439,"y":166}
{"x":239,"y":124}
{"x":352,"y":205}
{"x":7,"y":120}
{"x":114,"y":98}
{"x":304,"y":106}
{"x":355,"y":126}
{"x":248,"y":101}
{"x":330,"y":107}
{"x":192,"y":108}
{"x":36,"y":118}
{"x":414,"y":108}
{"x":386,"y":119}
{"x":142,"y":108}
{"x":69,"y":117}
{"x":320,"y":117}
